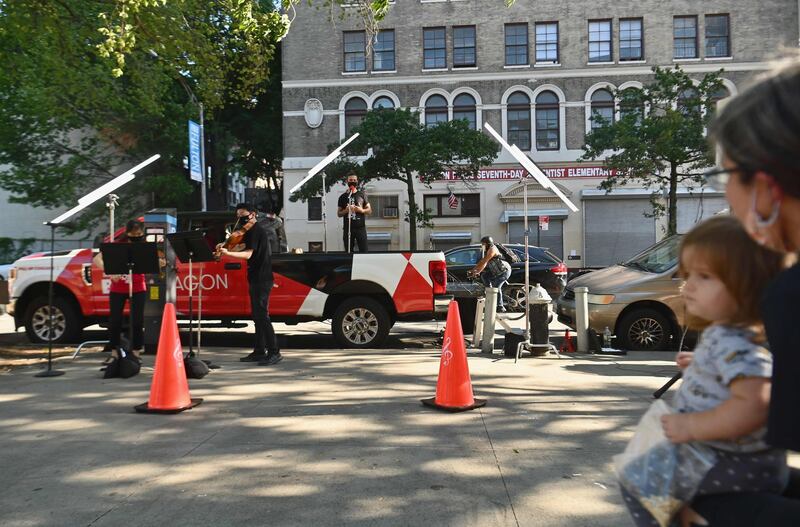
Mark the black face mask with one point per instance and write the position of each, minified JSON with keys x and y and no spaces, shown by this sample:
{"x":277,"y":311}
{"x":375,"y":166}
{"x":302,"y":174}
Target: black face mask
{"x":135,"y":239}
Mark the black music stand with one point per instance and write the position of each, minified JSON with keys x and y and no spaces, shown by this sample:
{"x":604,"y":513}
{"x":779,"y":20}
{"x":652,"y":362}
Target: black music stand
{"x":191,"y":246}
{"x":130,"y":259}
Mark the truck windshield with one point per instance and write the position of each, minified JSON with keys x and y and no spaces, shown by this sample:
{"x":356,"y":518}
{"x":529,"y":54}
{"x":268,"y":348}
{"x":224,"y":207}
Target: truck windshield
{"x":659,"y":258}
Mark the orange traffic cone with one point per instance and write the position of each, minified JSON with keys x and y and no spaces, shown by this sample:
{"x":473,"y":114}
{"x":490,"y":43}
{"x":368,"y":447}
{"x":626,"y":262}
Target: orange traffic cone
{"x":454,"y":388}
{"x":567,"y":345}
{"x":169,"y":392}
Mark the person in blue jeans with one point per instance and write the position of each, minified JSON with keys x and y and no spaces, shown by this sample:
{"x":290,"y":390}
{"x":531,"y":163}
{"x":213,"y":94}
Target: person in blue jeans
{"x":493,"y":269}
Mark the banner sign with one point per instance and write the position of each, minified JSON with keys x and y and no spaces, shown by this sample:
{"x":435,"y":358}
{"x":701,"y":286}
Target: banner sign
{"x":497,"y":174}
{"x":195,"y":167}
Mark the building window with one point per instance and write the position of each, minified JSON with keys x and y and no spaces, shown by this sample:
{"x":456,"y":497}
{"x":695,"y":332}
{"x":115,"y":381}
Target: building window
{"x":435,"y":110}
{"x":314,"y":209}
{"x":355,"y":51}
{"x":463,"y":46}
{"x":602,"y":109}
{"x":464,"y":108}
{"x":434,"y":48}
{"x":630,"y":104}
{"x":631,"y":42}
{"x":518,"y":114}
{"x":354,"y":111}
{"x":383,"y":51}
{"x":384,"y":206}
{"x":465,"y":206}
{"x":547,"y":43}
{"x":684,"y":31}
{"x":689,"y":101}
{"x":600,"y":41}
{"x":516,"y":44}
{"x":547,"y":123}
{"x":383,"y":103}
{"x":718,"y":36}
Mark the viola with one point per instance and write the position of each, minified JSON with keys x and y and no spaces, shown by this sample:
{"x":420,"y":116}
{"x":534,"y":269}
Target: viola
{"x":236,"y":236}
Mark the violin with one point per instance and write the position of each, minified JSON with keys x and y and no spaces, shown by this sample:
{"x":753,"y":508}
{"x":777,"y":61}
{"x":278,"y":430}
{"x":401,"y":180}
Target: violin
{"x":236,"y":236}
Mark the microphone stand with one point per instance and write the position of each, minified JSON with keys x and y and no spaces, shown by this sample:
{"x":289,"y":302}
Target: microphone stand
{"x":50,"y":372}
{"x":350,"y":222}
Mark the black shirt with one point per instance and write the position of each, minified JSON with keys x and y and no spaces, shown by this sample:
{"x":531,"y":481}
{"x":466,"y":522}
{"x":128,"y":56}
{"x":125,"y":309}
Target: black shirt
{"x":259,"y":265}
{"x":359,"y":199}
{"x":779,"y":310}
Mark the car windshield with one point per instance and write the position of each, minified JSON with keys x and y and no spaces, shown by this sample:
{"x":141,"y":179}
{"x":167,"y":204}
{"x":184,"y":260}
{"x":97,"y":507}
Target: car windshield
{"x":659,"y":258}
{"x":463,"y":257}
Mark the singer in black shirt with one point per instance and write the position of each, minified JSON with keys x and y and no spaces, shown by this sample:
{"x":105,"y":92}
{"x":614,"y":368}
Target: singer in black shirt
{"x":353,"y":208}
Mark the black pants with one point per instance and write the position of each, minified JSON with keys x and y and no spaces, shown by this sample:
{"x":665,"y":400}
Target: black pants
{"x":259,"y":305}
{"x":359,"y":238}
{"x":117,"y":304}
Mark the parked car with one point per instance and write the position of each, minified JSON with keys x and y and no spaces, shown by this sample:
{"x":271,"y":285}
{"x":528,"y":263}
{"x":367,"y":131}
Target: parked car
{"x":545,"y":268}
{"x":639,"y":300}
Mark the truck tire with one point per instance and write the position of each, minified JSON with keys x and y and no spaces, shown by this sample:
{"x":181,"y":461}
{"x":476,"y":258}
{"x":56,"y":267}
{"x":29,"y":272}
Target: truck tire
{"x":67,"y":323}
{"x":360,"y":323}
{"x":644,"y":329}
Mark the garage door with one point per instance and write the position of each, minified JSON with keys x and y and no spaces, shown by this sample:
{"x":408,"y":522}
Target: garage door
{"x":553,"y":238}
{"x":616,"y":229}
{"x":693,"y":209}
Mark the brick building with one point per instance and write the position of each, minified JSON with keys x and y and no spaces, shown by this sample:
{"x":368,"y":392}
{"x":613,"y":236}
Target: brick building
{"x":536,"y":72}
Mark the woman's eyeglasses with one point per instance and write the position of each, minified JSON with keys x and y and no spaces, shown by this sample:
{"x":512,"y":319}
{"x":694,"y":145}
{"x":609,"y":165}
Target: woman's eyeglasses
{"x":718,"y":177}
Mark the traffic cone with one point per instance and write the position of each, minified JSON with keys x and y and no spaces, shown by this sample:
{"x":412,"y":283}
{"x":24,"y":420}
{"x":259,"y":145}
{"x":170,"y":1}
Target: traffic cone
{"x":454,"y":388}
{"x":169,"y":392}
{"x":567,"y":346}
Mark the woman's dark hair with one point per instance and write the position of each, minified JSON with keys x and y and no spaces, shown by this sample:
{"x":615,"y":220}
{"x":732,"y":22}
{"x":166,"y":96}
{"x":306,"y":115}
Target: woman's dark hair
{"x":759,"y":129}
{"x":133,"y":225}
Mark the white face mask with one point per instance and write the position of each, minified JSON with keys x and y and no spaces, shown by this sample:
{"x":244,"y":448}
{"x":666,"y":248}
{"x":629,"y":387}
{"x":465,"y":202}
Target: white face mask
{"x":765,"y":231}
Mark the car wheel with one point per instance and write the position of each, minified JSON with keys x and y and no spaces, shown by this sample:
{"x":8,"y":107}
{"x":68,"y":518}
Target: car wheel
{"x":361,"y":323}
{"x":67,"y":325}
{"x":644,"y":329}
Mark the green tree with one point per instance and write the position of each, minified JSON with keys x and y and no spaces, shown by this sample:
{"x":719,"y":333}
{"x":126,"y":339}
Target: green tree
{"x":659,"y":140}
{"x":407,"y":151}
{"x":65,"y":120}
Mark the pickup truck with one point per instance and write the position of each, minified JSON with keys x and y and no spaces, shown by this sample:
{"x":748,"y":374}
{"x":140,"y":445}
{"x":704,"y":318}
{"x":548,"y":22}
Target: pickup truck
{"x":363,"y":294}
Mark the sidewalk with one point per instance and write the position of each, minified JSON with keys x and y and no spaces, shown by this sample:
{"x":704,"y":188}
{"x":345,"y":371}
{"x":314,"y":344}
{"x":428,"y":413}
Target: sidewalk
{"x":328,"y":437}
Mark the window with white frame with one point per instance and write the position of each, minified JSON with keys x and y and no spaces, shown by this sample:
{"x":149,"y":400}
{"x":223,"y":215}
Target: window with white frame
{"x":463,"y":46}
{"x":434,"y":51}
{"x":547,"y":121}
{"x":518,"y":120}
{"x":459,"y":205}
{"x":718,"y":36}
{"x":383,"y":51}
{"x":631,"y":39}
{"x":384,"y":206}
{"x":315,"y":209}
{"x":355,"y":51}
{"x":464,"y":108}
{"x":547,"y":42}
{"x":684,"y":32}
{"x":602,"y":108}
{"x":383,"y":103}
{"x":516,"y":44}
{"x":600,"y":41}
{"x":435,"y":110}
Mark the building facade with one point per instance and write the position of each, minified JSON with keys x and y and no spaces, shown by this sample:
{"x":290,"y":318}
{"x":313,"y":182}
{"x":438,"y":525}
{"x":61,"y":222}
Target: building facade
{"x":536,"y":72}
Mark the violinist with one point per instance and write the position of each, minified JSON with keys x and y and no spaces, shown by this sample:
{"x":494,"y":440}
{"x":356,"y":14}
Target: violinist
{"x":257,"y":247}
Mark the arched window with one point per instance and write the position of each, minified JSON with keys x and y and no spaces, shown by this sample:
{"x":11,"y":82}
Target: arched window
{"x":354,"y":111}
{"x":688,"y":101}
{"x":383,"y":103}
{"x":464,"y":108}
{"x":518,"y":115}
{"x":602,"y":108}
{"x":435,"y":110}
{"x":630,"y":104}
{"x":547,"y":125}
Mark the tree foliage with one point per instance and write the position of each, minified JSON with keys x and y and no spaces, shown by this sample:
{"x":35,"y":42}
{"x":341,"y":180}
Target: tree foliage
{"x":405,"y":150}
{"x":659,"y":140}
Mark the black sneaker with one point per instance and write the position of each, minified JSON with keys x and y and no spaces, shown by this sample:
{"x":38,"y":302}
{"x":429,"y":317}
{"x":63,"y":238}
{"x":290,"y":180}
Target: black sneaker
{"x":254,"y":357}
{"x":272,"y":358}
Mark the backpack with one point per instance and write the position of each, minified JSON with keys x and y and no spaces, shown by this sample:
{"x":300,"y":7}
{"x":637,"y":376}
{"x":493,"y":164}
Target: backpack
{"x":507,"y":254}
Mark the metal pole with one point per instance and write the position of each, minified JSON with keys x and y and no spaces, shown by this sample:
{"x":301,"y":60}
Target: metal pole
{"x":582,"y":318}
{"x":527,"y":259}
{"x":324,"y":218}
{"x":202,"y":161}
{"x":112,"y":204}
{"x":50,"y":372}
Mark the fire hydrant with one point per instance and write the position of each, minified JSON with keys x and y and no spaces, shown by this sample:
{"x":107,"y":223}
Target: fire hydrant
{"x":539,"y":315}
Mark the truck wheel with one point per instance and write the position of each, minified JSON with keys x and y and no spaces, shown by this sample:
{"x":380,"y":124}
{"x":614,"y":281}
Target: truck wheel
{"x":360,"y":323}
{"x":67,"y":326}
{"x":644,"y":329}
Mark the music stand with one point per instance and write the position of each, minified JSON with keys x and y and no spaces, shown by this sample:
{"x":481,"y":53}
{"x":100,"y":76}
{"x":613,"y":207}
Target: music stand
{"x":130,"y":258}
{"x":191,"y":246}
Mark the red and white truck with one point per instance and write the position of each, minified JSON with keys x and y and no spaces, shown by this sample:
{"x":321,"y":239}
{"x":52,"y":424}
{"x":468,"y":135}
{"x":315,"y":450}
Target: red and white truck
{"x":363,"y":294}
